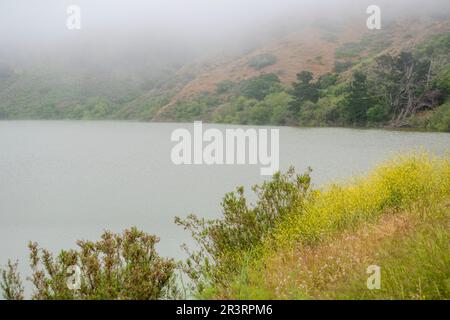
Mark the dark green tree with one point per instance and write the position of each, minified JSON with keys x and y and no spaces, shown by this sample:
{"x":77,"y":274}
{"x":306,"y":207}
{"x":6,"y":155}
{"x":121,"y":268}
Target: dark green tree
{"x":303,"y":90}
{"x":358,"y":101}
{"x":260,"y":87}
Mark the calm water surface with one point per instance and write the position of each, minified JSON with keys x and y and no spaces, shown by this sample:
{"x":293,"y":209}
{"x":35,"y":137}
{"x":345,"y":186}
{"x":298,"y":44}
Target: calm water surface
{"x":63,"y":181}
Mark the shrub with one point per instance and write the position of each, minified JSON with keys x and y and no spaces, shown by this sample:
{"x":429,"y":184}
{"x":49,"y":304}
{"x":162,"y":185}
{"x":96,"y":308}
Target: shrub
{"x":307,"y":115}
{"x":327,"y":80}
{"x":11,"y":283}
{"x":261,"y":86}
{"x":223,"y":242}
{"x":119,"y":266}
{"x":224,"y":86}
{"x":440,"y":119}
{"x":377,"y":113}
{"x":349,"y":50}
{"x":443,"y":82}
{"x":342,"y":66}
{"x":435,"y":120}
{"x":279,"y":105}
{"x":261,"y":61}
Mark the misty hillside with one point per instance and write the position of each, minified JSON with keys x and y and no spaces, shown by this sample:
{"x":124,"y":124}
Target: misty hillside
{"x":323,"y":49}
{"x":249,"y":79}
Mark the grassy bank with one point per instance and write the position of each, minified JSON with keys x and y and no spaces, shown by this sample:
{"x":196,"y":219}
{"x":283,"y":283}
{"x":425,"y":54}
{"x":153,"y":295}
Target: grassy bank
{"x":396,"y":218}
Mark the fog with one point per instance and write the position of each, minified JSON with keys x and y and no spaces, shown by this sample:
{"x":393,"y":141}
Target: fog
{"x":154,"y":29}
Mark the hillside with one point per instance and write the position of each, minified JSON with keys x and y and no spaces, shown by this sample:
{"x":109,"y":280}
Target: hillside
{"x":173,"y":87}
{"x":314,"y":48}
{"x":236,"y":92}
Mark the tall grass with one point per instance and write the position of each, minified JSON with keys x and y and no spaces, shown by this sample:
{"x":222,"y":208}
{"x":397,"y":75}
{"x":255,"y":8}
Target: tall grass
{"x":414,"y":266}
{"x":395,"y":185}
{"x":321,"y":248}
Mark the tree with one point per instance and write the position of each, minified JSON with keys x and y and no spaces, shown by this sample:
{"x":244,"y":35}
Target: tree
{"x":358,"y":100}
{"x":259,"y":87}
{"x":224,"y":86}
{"x":274,"y":109}
{"x":303,"y":90}
{"x":279,"y":103}
{"x":404,"y":83}
{"x":327,"y":80}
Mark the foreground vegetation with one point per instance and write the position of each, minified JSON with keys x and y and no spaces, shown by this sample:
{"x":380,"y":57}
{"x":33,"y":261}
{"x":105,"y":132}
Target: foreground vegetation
{"x":294,"y":242}
{"x":300,"y":243}
{"x":119,"y":266}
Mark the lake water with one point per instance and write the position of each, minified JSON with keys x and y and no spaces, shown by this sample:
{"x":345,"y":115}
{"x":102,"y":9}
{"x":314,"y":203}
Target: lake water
{"x":62,"y":181}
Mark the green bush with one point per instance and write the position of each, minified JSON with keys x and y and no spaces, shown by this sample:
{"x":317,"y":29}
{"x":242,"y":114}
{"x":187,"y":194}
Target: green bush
{"x":349,"y":50}
{"x":223,"y":242}
{"x":440,"y":119}
{"x":327,"y":80}
{"x":261,"y":86}
{"x":261,"y":61}
{"x":377,"y":113}
{"x":119,"y":266}
{"x":307,"y":116}
{"x":443,"y":82}
{"x":224,"y":86}
{"x":11,"y":283}
{"x":196,"y":108}
{"x":342,"y":66}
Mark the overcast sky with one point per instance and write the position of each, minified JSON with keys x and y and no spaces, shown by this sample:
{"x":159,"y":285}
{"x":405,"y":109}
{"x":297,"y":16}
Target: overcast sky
{"x":36,"y":25}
